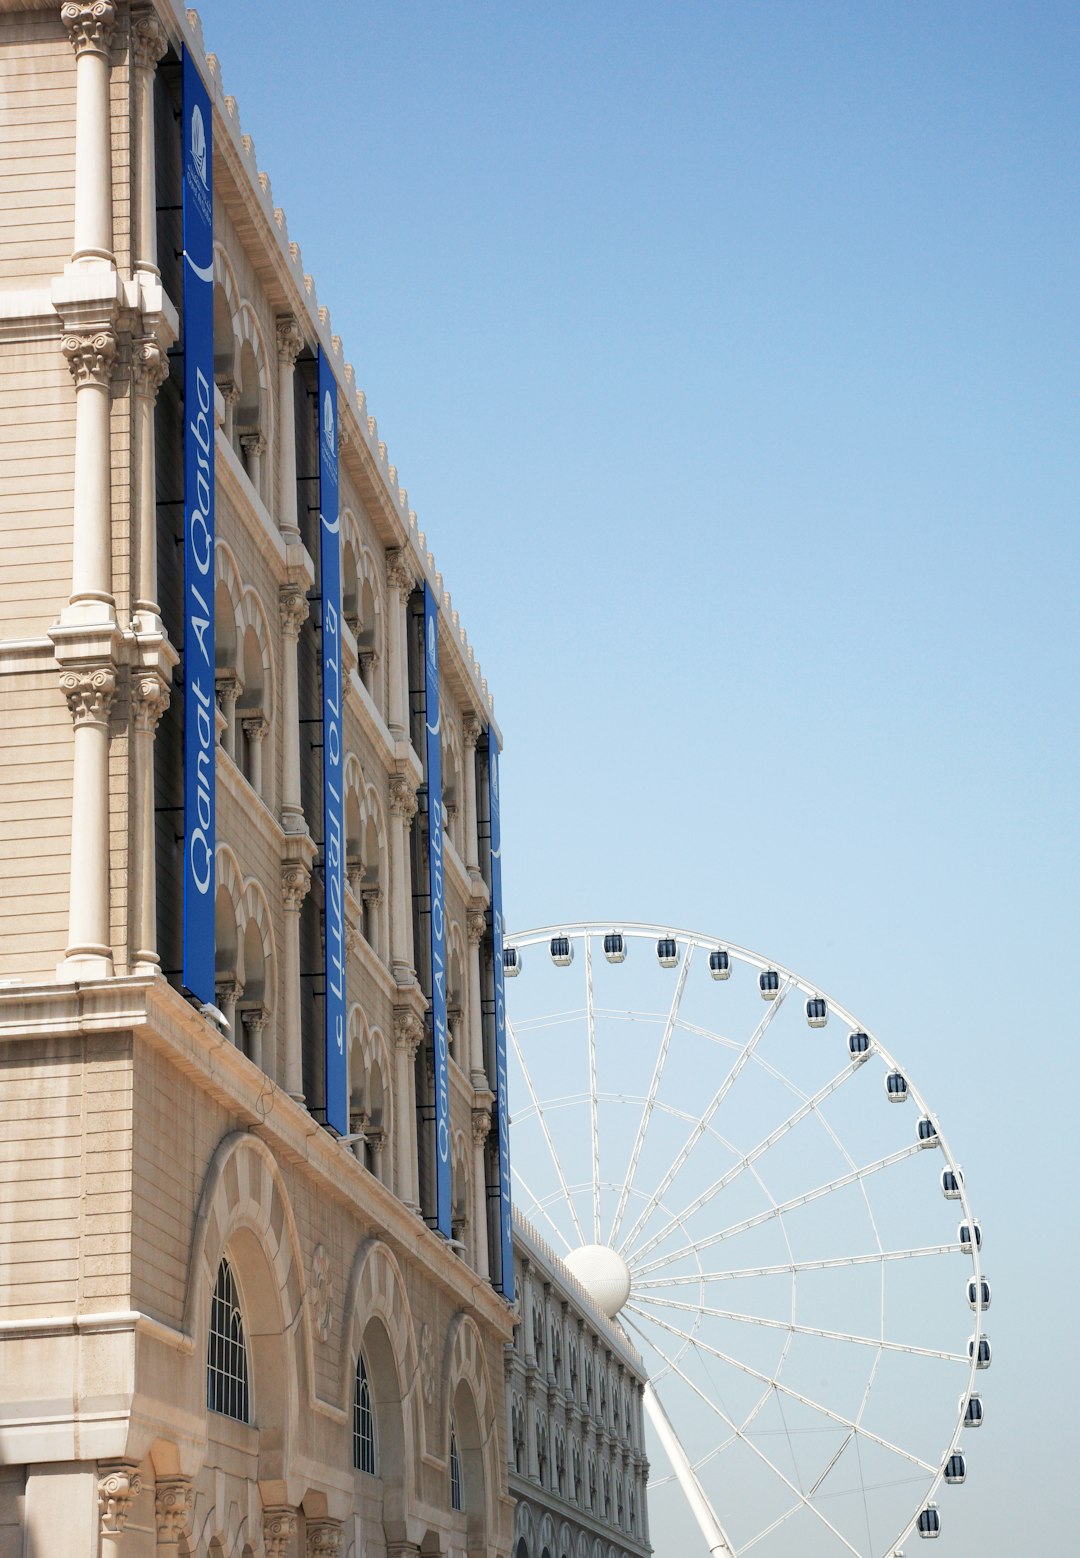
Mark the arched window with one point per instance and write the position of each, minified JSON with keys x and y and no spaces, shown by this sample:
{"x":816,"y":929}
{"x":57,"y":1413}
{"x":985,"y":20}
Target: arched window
{"x":364,"y":1450}
{"x":226,"y":1357}
{"x":456,"y":1496}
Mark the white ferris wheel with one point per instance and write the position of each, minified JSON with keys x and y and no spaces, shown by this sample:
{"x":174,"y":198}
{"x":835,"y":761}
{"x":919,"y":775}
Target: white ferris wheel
{"x":736,"y":1169}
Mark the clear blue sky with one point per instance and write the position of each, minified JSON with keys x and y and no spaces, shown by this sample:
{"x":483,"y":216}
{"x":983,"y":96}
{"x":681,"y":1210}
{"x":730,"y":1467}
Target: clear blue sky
{"x":729,"y":355}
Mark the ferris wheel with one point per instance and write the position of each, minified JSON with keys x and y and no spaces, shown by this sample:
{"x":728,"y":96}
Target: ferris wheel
{"x":738,"y":1173}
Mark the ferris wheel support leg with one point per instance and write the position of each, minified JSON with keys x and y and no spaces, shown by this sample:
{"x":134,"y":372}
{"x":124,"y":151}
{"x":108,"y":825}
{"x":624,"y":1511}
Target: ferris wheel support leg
{"x":702,"y":1510}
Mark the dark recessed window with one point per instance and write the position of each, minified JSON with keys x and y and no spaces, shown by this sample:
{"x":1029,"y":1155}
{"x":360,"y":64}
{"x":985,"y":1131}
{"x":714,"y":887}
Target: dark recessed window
{"x":226,"y":1355}
{"x":363,"y":1434}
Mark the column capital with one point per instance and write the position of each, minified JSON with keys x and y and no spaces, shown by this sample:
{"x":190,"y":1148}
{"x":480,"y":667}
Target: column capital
{"x":149,"y":40}
{"x":293,"y":609}
{"x":174,"y":1507}
{"x":253,"y":444}
{"x":481,"y":1126}
{"x":399,"y":572}
{"x":149,"y":365}
{"x":290,"y":339}
{"x":323,"y":1538}
{"x":279,"y":1528}
{"x":90,"y":356}
{"x":472,"y":728}
{"x":118,"y":1484}
{"x":476,"y":925}
{"x":89,"y":693}
{"x":256,"y":726}
{"x":403,"y":801}
{"x":408,"y":1030}
{"x":295,"y":881}
{"x":150,"y":698}
{"x":90,"y":25}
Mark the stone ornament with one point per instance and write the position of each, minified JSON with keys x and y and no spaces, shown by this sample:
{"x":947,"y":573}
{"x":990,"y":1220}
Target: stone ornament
{"x":321,"y":1295}
{"x":481,"y":1126}
{"x":279,"y":1528}
{"x":408,"y":1030}
{"x":427,"y":1363}
{"x":290,"y":340}
{"x":90,"y":357}
{"x":323,"y":1538}
{"x":149,"y":41}
{"x":402,"y":797}
{"x":151,"y":698}
{"x":471,"y":729}
{"x":118,"y":1486}
{"x":295,"y":881}
{"x":399,"y":574}
{"x":174,"y":1506}
{"x":149,"y":366}
{"x":90,"y":25}
{"x":89,"y":694}
{"x":476,"y":926}
{"x":293,"y":607}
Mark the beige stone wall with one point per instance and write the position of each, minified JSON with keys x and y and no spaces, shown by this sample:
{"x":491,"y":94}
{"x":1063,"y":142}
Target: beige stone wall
{"x":37,"y":147}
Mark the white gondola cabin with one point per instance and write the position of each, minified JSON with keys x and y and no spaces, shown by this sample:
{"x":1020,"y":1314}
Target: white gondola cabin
{"x":927,"y":1133}
{"x":978,"y":1293}
{"x":896,"y":1088}
{"x":858,"y":1044}
{"x":951,"y":1183}
{"x":719,"y":963}
{"x":615,"y":947}
{"x":929,"y":1522}
{"x":667,"y":952}
{"x":769,"y":983}
{"x":973,"y":1412}
{"x":562,"y":951}
{"x":982,"y":1357}
{"x":969,"y":1236}
{"x":511,"y":962}
{"x":817,"y":1011}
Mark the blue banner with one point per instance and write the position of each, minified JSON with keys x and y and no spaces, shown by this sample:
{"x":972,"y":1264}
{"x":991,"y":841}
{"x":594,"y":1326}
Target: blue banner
{"x":200,"y":709}
{"x":337,"y":1077}
{"x":502,"y":1105}
{"x":438,"y":914}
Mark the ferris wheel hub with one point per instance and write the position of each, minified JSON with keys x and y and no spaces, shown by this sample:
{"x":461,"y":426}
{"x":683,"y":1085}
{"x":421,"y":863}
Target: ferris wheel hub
{"x":603,"y":1274}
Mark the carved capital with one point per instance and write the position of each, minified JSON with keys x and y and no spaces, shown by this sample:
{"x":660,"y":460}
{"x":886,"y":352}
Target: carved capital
{"x":90,"y":25}
{"x":256,"y":727}
{"x":227,"y":686}
{"x":295,"y":881}
{"x":408,"y":1030}
{"x":90,"y":357}
{"x":149,"y":41}
{"x":253,"y":444}
{"x":290,"y":339}
{"x":118,"y":1485}
{"x":279,"y":1528}
{"x":371,"y":898}
{"x":174,"y":1505}
{"x":150,"y":699}
{"x":89,"y":694}
{"x":293,"y":607}
{"x":149,"y":366}
{"x":399,"y":572}
{"x":476,"y":925}
{"x":472,"y":729}
{"x":368,"y":661}
{"x":323,"y":1538}
{"x":481,"y":1126}
{"x":352,"y":939}
{"x":402,"y":797}
{"x":230,"y":390}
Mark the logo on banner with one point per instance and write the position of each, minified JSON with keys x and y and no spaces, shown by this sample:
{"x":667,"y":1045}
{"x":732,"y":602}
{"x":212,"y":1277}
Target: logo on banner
{"x":328,"y":424}
{"x":198,"y":143}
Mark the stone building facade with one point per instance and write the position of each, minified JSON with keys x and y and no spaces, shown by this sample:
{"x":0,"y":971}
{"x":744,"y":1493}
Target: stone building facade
{"x":575,"y":1426}
{"x":224,"y":1331}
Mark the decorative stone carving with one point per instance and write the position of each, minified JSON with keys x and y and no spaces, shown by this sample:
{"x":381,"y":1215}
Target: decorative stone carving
{"x":89,"y":694}
{"x":471,"y":729}
{"x":481,"y":1126}
{"x":321,"y":1295}
{"x":427,"y":1363}
{"x":293,"y":606}
{"x":295,"y":881}
{"x":174,"y":1506}
{"x":150,"y":698}
{"x":323,"y":1538}
{"x":399,"y":572}
{"x":408,"y":1030}
{"x":279,"y":1528}
{"x":149,"y":41}
{"x":256,"y":727}
{"x":290,"y":339}
{"x":254,"y":445}
{"x":372,"y":898}
{"x":90,"y":25}
{"x":118,"y":1485}
{"x":402,"y":797}
{"x":352,"y":939}
{"x":476,"y":925}
{"x":90,"y":357}
{"x":149,"y":366}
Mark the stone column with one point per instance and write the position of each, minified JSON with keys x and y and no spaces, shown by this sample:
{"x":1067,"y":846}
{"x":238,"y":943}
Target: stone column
{"x":279,"y":1528}
{"x":400,"y":582}
{"x":119,"y":1484}
{"x":256,"y":729}
{"x":408,"y":1035}
{"x":150,"y":369}
{"x":227,"y":992}
{"x":149,"y":42}
{"x":230,"y":394}
{"x":90,"y":359}
{"x":254,"y":1022}
{"x":90,"y":26}
{"x":472,"y":731}
{"x":174,"y":1509}
{"x":323,"y":1538}
{"x":402,"y":811}
{"x":477,"y":927}
{"x":481,"y":1125}
{"x":228,"y":687}
{"x":295,"y":881}
{"x":150,"y":697}
{"x":371,"y":898}
{"x":253,"y":447}
{"x":290,"y":343}
{"x":293,"y":606}
{"x":89,"y":692}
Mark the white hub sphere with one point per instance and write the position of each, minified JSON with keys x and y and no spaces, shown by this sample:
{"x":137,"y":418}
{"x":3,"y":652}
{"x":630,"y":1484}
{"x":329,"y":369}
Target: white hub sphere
{"x":603,"y":1274}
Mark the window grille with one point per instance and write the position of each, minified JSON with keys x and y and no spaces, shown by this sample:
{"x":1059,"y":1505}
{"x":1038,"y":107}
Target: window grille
{"x":226,"y":1357}
{"x":456,"y":1500}
{"x":363,"y":1436}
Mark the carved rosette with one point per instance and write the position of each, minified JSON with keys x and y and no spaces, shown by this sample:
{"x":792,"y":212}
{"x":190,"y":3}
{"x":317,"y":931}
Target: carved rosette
{"x":408,"y":1030}
{"x":174,"y":1507}
{"x":150,"y":697}
{"x":149,"y":41}
{"x":89,"y":694}
{"x":149,"y":366}
{"x":323,"y":1538}
{"x":481,"y":1126}
{"x":293,"y":607}
{"x":279,"y":1528}
{"x":90,"y":25}
{"x":295,"y":881}
{"x":426,"y":1350}
{"x":90,"y":357}
{"x":402,"y":797}
{"x":321,"y":1295}
{"x":290,"y":340}
{"x":399,"y":573}
{"x":476,"y":925}
{"x":118,"y":1485}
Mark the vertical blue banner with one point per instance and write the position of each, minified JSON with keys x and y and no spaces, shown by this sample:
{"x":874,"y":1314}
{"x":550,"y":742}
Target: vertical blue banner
{"x":337,"y":1080}
{"x":200,"y":711}
{"x":502,"y":1105}
{"x":438,"y":914}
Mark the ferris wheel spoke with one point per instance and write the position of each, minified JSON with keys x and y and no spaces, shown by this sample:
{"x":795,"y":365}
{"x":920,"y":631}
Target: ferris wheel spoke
{"x":594,"y":1122}
{"x":802,"y":1498}
{"x":702,"y":1125}
{"x":787,"y":1268}
{"x":542,"y":1121}
{"x":794,"y":1329}
{"x":778,"y":1210}
{"x":539,"y":1205}
{"x":647,"y":1109}
{"x":785,"y":1390}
